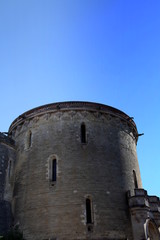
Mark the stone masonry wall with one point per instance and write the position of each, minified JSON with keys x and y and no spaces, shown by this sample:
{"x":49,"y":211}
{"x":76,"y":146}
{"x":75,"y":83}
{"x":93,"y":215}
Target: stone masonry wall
{"x":6,"y":156}
{"x":100,"y":169}
{"x":145,"y":215}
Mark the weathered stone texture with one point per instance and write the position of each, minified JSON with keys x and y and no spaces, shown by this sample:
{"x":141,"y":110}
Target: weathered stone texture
{"x":7,"y":156}
{"x":101,"y":169}
{"x":145,"y":215}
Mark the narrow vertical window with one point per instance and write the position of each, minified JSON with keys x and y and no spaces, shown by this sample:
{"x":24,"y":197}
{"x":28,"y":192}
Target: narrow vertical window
{"x":29,"y":139}
{"x":88,"y":211}
{"x":54,"y":170}
{"x":83,"y":133}
{"x":9,"y":169}
{"x":135,"y":179}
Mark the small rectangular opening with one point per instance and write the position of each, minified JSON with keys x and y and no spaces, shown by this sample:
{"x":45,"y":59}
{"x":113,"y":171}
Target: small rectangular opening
{"x":83,"y":133}
{"x":135,"y":179}
{"x":88,"y":211}
{"x":54,"y":170}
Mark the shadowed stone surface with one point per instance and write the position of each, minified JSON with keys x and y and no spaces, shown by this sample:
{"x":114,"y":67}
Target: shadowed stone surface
{"x":6,"y":154}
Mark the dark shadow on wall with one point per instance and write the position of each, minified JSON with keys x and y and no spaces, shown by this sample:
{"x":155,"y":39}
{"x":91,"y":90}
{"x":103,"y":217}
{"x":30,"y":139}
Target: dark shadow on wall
{"x":6,"y":217}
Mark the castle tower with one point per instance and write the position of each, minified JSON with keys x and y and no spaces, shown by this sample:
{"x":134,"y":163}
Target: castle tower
{"x":75,"y":163}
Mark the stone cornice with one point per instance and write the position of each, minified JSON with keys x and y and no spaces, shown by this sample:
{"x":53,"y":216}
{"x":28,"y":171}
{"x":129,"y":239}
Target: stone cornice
{"x":73,"y":105}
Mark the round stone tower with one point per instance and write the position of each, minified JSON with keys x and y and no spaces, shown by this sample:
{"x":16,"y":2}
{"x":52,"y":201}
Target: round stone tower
{"x":75,"y":163}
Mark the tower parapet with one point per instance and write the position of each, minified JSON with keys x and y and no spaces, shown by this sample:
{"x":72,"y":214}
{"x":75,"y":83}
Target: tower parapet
{"x":74,"y":106}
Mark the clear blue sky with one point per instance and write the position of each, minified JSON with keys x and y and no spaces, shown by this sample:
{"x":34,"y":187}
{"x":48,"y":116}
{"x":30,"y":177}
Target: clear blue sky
{"x":106,"y":51}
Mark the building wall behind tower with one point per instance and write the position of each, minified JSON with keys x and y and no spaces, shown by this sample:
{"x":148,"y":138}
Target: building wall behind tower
{"x":7,"y":155}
